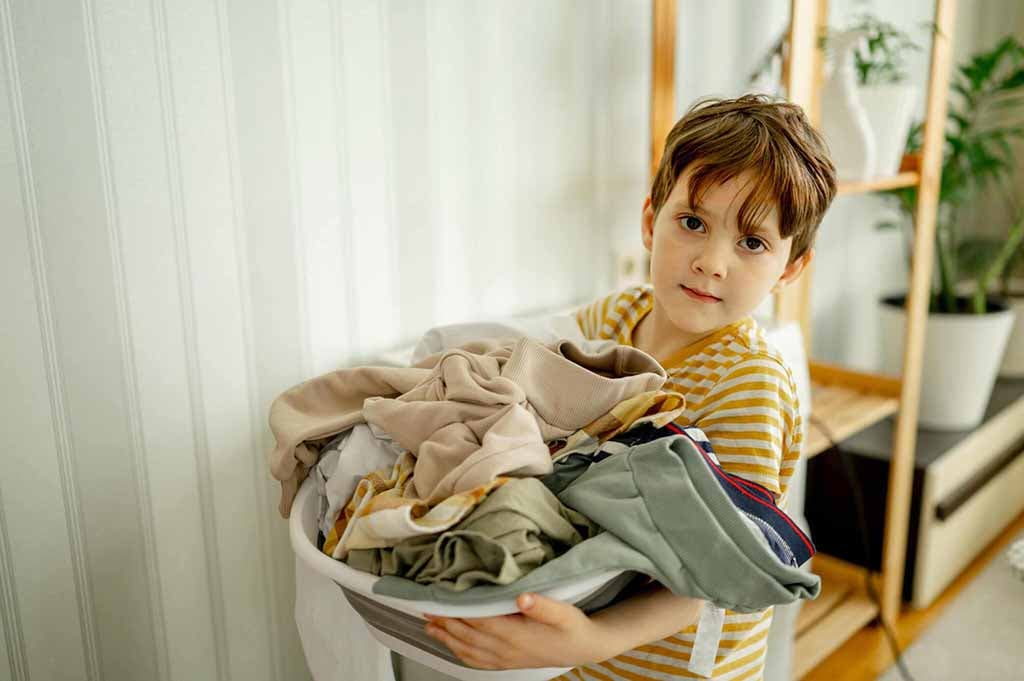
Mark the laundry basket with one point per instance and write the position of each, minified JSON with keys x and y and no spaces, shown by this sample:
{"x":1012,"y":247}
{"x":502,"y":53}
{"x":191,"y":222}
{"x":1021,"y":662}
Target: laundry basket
{"x":398,"y":623}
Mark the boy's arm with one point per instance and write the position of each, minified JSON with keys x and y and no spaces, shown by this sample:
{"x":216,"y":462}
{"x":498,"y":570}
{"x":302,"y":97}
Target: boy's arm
{"x":551,"y":633}
{"x":650,"y":615}
{"x":752,"y":418}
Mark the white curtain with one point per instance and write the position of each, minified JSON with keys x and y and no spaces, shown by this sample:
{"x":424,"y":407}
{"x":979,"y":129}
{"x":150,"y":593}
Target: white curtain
{"x":204,"y":202}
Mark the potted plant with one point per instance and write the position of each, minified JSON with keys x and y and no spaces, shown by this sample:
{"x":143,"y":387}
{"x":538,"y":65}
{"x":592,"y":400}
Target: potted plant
{"x":967,"y":329}
{"x":975,"y":254}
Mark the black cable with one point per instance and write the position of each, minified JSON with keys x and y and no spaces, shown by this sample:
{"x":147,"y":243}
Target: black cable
{"x":862,"y":525}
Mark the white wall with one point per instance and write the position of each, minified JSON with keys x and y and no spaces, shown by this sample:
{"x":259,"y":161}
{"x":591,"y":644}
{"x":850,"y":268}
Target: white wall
{"x":204,"y":202}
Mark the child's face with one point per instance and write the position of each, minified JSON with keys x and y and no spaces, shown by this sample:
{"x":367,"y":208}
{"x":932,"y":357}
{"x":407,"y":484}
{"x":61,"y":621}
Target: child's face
{"x":706,"y":273}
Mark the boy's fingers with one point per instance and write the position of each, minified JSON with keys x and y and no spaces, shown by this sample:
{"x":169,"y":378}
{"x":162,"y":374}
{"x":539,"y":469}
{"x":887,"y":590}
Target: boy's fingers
{"x":467,"y":653}
{"x":545,"y":610}
{"x":475,"y":637}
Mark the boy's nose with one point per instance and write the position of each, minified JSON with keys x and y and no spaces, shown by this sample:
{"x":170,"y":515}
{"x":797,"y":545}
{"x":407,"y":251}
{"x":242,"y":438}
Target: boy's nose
{"x":710,"y":263}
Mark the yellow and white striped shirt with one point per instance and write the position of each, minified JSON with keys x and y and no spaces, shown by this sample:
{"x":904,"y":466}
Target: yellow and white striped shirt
{"x":742,"y":394}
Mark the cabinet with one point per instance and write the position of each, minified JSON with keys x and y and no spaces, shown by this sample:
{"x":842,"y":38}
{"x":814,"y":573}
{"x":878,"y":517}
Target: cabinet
{"x":965,"y":490}
{"x":846,"y":401}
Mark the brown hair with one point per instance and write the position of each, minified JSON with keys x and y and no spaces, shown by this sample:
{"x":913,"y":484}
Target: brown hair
{"x":722,"y":138}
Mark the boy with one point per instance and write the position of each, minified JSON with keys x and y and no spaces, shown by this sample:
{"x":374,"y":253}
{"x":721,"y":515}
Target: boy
{"x":731,"y":218}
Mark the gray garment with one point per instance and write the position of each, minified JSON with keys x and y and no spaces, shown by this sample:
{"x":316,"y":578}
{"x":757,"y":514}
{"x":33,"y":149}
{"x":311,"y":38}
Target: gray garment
{"x":344,"y":462}
{"x":518,"y":527}
{"x":666,"y":516}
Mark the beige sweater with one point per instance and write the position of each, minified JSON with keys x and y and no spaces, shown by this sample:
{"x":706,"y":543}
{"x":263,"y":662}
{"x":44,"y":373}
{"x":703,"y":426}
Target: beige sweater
{"x":468,"y":414}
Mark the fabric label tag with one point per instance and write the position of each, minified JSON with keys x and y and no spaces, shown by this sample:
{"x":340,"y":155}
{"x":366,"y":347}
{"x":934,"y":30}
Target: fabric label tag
{"x":705,"y":644}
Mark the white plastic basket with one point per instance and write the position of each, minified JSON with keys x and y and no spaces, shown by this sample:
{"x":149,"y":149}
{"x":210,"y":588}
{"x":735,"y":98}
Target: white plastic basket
{"x":303,"y":533}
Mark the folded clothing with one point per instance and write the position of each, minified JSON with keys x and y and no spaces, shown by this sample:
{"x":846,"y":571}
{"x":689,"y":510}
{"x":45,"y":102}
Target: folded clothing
{"x":667,"y":513}
{"x":518,"y":527}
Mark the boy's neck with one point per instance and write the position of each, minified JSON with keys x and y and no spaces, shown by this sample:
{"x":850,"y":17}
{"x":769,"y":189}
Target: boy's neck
{"x":656,"y":335}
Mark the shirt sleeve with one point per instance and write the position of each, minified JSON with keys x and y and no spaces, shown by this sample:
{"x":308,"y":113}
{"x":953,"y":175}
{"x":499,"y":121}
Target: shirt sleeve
{"x":752,"y":417}
{"x":592,"y":317}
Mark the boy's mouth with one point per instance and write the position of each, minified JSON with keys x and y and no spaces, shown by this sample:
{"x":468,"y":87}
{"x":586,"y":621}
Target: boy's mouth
{"x":702,"y":296}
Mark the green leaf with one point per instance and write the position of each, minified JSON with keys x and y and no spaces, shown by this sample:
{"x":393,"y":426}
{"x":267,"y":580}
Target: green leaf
{"x":1013,"y":81}
{"x":974,"y":255}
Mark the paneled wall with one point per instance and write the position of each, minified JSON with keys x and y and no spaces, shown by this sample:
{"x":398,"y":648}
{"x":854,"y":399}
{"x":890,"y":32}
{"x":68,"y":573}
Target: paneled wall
{"x":203,"y":202}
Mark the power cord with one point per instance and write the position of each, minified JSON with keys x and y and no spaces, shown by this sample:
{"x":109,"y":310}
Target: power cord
{"x":858,"y":500}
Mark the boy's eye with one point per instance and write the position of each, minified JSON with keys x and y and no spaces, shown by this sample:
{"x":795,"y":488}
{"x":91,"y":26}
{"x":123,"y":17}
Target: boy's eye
{"x":692,"y":224}
{"x":753,"y":244}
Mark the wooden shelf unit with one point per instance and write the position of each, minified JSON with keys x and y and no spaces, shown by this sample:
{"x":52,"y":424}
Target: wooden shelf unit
{"x":843,"y":608}
{"x":847,"y":401}
{"x":878,"y":184}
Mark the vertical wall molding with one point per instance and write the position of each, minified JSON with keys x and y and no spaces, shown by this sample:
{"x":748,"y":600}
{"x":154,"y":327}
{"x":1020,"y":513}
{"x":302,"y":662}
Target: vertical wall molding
{"x":188,"y":321}
{"x":294,"y":177}
{"x":267,"y":574}
{"x":54,"y":374}
{"x":140,"y":470}
{"x":345,"y":198}
{"x":384,"y":667}
{"x":390,"y":162}
{"x":10,"y":614}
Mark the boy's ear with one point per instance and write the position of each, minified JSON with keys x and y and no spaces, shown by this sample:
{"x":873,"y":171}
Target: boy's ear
{"x":647,"y":224}
{"x":794,"y":270}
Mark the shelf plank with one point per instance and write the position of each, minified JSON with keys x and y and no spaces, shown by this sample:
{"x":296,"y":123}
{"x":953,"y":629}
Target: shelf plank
{"x":905,"y":179}
{"x":845,"y":402}
{"x":841,"y":610}
{"x":834,"y":374}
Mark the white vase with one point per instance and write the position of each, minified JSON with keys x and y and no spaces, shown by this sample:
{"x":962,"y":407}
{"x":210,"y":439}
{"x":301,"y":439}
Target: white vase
{"x":1013,"y":358}
{"x":890,"y":111}
{"x":961,"y":359}
{"x":844,"y":122}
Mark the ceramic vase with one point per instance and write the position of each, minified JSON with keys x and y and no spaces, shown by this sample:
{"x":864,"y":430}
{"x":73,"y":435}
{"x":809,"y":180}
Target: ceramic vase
{"x":890,"y":112}
{"x":844,"y":121}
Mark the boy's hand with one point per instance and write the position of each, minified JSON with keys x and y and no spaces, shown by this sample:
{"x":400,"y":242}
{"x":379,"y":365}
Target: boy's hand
{"x":547,"y":633}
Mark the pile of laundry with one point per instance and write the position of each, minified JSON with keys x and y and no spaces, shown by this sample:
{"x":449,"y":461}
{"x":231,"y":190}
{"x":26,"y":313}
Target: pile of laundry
{"x":506,"y":465}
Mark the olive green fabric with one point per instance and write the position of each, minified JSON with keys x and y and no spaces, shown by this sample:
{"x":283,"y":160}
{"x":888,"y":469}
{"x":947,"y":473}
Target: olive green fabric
{"x":518,"y":527}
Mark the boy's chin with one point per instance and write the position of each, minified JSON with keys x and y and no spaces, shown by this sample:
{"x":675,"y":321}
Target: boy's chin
{"x":695,"y":324}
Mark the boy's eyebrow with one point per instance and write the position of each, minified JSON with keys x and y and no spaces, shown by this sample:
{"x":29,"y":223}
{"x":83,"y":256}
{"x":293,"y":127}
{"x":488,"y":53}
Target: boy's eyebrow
{"x":758,"y":230}
{"x":696,"y":208}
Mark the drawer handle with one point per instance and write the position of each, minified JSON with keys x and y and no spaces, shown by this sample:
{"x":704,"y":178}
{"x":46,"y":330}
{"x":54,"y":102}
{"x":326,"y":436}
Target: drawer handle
{"x":958,"y":497}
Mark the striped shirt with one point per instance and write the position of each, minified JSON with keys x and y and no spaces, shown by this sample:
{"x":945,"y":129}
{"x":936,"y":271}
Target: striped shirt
{"x":742,"y":395}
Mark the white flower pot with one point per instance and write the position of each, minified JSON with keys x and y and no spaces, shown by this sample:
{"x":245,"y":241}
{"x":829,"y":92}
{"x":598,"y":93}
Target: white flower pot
{"x":890,"y":111}
{"x":961,"y":358}
{"x":1013,"y":358}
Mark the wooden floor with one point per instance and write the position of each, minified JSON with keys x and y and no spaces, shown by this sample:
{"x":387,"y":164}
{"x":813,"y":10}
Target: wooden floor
{"x":867,"y":654}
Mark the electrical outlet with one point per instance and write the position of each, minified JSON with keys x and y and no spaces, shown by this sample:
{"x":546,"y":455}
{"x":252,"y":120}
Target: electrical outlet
{"x":631,"y":268}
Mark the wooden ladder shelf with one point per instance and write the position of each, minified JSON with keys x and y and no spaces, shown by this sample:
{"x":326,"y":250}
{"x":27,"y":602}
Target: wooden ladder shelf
{"x":844,"y":401}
